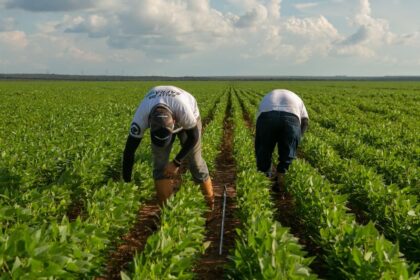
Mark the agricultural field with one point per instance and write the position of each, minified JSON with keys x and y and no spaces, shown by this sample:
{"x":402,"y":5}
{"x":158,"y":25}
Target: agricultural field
{"x":350,"y":209}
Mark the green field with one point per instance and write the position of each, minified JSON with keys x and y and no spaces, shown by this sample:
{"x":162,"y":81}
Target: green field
{"x":350,"y":210}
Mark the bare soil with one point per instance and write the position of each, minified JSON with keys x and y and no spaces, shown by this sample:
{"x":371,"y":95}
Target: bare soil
{"x":287,"y":217}
{"x":211,"y":264}
{"x":134,"y":241}
{"x":147,"y":223}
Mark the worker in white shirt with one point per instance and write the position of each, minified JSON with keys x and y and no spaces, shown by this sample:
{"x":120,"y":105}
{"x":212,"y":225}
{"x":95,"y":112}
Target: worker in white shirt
{"x":169,"y":111}
{"x":282,"y":120}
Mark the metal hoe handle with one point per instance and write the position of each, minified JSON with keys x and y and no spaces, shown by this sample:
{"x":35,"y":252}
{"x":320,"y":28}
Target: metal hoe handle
{"x":223,"y":220}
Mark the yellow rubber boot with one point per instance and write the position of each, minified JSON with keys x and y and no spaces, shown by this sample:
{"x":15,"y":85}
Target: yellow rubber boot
{"x":164,"y":189}
{"x":207,"y":190}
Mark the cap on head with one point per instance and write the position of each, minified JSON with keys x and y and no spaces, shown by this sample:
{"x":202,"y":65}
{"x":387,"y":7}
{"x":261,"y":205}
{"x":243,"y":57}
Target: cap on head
{"x":161,"y":126}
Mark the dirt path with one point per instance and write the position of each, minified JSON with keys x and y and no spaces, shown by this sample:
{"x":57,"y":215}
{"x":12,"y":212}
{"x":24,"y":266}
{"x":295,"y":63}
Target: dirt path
{"x":245,"y":115}
{"x":210,"y":265}
{"x":147,"y":223}
{"x":286,"y":215}
{"x":134,"y":241}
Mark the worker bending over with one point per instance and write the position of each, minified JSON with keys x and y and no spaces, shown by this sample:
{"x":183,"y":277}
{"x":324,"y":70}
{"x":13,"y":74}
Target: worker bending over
{"x":282,"y":120}
{"x":169,"y":111}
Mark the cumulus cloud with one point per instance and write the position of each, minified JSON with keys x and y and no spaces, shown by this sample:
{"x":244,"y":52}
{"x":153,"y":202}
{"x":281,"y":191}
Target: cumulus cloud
{"x":165,"y":28}
{"x":310,"y":37}
{"x":313,"y":28}
{"x":47,"y":5}
{"x":14,"y":39}
{"x":253,"y":18}
{"x":95,"y":25}
{"x":274,"y":8}
{"x":157,"y":27}
{"x":62,"y":48}
{"x":162,"y":30}
{"x":371,"y":34}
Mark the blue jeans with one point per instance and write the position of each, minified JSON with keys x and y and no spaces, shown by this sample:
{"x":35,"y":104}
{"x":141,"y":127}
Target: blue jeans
{"x":276,"y":128}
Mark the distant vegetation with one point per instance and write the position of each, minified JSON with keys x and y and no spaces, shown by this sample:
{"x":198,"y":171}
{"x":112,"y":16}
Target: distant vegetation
{"x":202,"y":78}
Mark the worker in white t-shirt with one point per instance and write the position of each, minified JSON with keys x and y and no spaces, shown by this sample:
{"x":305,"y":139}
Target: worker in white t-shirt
{"x":282,"y":119}
{"x":169,"y":111}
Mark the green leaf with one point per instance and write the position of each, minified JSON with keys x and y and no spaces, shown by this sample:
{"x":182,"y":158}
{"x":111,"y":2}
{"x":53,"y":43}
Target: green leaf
{"x":206,"y":244}
{"x":17,"y":264}
{"x":367,"y":256}
{"x":411,"y":213}
{"x":356,"y":256}
{"x":124,"y":276}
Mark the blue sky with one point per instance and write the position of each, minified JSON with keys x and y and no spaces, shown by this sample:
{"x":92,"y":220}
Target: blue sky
{"x":202,"y":37}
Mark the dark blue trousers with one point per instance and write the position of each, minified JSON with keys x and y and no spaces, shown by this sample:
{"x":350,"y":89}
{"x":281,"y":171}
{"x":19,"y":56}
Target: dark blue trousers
{"x":276,"y":128}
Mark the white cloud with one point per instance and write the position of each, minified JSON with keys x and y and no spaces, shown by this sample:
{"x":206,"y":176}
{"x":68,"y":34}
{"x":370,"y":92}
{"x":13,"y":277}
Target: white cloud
{"x":312,"y":28}
{"x":311,"y":37}
{"x":305,"y":6}
{"x":62,"y":49}
{"x":168,"y":28}
{"x":355,"y":50}
{"x":14,"y":39}
{"x":94,"y":25}
{"x":170,"y":31}
{"x":47,"y":27}
{"x":274,"y":8}
{"x":253,"y":18}
{"x":160,"y":27}
{"x":371,"y":35}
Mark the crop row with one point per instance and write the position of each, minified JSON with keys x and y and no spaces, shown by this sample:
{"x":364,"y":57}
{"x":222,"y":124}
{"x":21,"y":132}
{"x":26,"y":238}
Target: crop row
{"x":330,"y":222}
{"x":397,"y":214}
{"x":352,"y":251}
{"x":77,"y":246}
{"x":172,"y":250}
{"x":264,"y":249}
{"x":394,"y":169}
{"x":339,"y":111}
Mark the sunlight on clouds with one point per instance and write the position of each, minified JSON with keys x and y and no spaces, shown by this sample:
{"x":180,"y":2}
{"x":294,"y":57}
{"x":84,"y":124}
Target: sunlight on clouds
{"x":170,"y":31}
{"x":311,"y":27}
{"x":14,"y":39}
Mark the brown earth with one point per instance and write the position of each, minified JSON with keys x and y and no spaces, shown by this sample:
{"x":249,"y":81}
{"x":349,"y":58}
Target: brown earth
{"x":148,"y":219}
{"x":211,"y":264}
{"x":287,"y":216}
{"x":134,"y":241}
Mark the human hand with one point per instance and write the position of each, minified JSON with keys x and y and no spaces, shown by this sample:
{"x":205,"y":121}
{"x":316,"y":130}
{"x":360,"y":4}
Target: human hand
{"x":171,"y":170}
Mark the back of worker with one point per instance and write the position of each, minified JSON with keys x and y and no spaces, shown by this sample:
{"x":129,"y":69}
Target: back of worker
{"x":169,"y":111}
{"x":282,"y":119}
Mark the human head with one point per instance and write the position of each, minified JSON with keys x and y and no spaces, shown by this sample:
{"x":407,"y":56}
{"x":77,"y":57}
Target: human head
{"x":161,"y":125}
